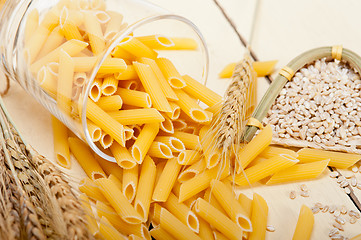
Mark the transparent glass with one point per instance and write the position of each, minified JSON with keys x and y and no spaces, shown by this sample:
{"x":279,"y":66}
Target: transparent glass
{"x":141,"y":18}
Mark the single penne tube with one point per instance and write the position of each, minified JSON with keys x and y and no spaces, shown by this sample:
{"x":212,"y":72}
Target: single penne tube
{"x":71,"y":47}
{"x":84,"y":64}
{"x":134,"y":98}
{"x":263,"y":169}
{"x":229,"y":203}
{"x":95,"y":90}
{"x":68,"y":26}
{"x":118,"y":201}
{"x":152,"y":86}
{"x":218,"y":220}
{"x":119,"y":52}
{"x":65,"y":82}
{"x":227,"y":71}
{"x":175,"y":144}
{"x":54,"y":40}
{"x":94,"y":131}
{"x":95,"y":33}
{"x":190,"y":141}
{"x":114,"y":25}
{"x":258,"y":218}
{"x":130,"y":183}
{"x":304,"y":225}
{"x":174,"y":114}
{"x":85,"y":158}
{"x":161,"y":234}
{"x":110,"y":103}
{"x":106,"y":122}
{"x":91,"y":220}
{"x":272,"y":151}
{"x":299,"y":172}
{"x":205,"y":230}
{"x":175,"y":227}
{"x":218,"y":235}
{"x":192,"y":171}
{"x":170,"y":73}
{"x":155,"y":41}
{"x":211,"y":153}
{"x":108,"y":231}
{"x":36,"y":41}
{"x":188,"y":157}
{"x":156,"y":209}
{"x":109,"y":86}
{"x":191,"y":108}
{"x":163,"y":82}
{"x":110,"y":168}
{"x":112,"y":65}
{"x":182,"y":212}
{"x":137,"y":48}
{"x":251,"y":150}
{"x":106,"y":140}
{"x":53,"y":68}
{"x":202,"y":181}
{"x":246,"y":203}
{"x":167,"y":125}
{"x":88,"y":187}
{"x":136,"y":131}
{"x":104,"y":210}
{"x":137,"y":116}
{"x":61,"y":146}
{"x":128,"y":133}
{"x":166,"y":180}
{"x":128,"y":74}
{"x":337,"y":159}
{"x":121,"y":154}
{"x":144,"y":141}
{"x":102,"y":16}
{"x":199,"y":91}
{"x":180,"y":43}
{"x":179,"y":125}
{"x":145,"y":188}
{"x":47,"y":81}
{"x":213,"y":201}
{"x":80,"y":78}
{"x":129,"y":84}
{"x":262,"y":68}
{"x":32,"y":23}
{"x":159,"y":150}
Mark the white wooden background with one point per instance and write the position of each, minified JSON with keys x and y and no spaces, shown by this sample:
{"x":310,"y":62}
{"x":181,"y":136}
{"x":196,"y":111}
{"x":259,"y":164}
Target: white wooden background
{"x":285,"y":29}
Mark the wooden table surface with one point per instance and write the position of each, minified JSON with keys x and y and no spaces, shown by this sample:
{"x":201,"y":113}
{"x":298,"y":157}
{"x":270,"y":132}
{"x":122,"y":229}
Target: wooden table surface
{"x":285,"y":29}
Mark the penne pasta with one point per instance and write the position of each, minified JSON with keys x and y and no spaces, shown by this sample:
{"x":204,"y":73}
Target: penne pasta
{"x":216,"y":108}
{"x":144,"y":141}
{"x":263,"y":169}
{"x":170,"y":73}
{"x":166,"y":180}
{"x":32,"y":23}
{"x":213,"y":201}
{"x":105,"y":140}
{"x":94,"y":131}
{"x":160,"y":150}
{"x":217,"y":219}
{"x":188,"y":157}
{"x":95,"y":33}
{"x":110,"y":168}
{"x":95,"y":90}
{"x":160,"y":234}
{"x":109,"y":86}
{"x":299,"y":172}
{"x":272,"y":151}
{"x":192,"y":171}
{"x":137,"y":48}
{"x":79,"y":79}
{"x":130,"y":183}
{"x":258,"y":218}
{"x":129,"y":84}
{"x":65,"y":83}
{"x":128,"y":74}
{"x":219,"y":236}
{"x":181,"y":43}
{"x":54,"y":40}
{"x":304,"y":224}
{"x":175,"y":144}
{"x":61,"y":146}
{"x":205,"y":230}
{"x":167,"y":125}
{"x":190,"y":141}
{"x":112,"y":65}
{"x":155,"y":41}
{"x":134,"y":98}
{"x":85,"y":158}
{"x":179,"y":125}
{"x":88,"y":187}
{"x":114,"y":25}
{"x":137,"y":116}
{"x":122,"y":156}
{"x":119,"y":52}
{"x":110,"y":103}
{"x":337,"y":159}
{"x":246,"y":203}
{"x":68,"y":26}
{"x":211,"y":153}
{"x":84,"y":64}
{"x":109,"y":232}
{"x":174,"y":114}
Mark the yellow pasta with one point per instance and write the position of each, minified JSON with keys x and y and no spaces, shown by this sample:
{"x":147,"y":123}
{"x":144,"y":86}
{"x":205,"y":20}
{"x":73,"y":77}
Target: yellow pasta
{"x":119,"y":52}
{"x":134,"y":98}
{"x":35,"y":42}
{"x":105,"y":140}
{"x":272,"y":151}
{"x":79,"y":79}
{"x":91,"y":221}
{"x":156,"y":214}
{"x":61,"y":146}
{"x":170,"y":73}
{"x":263,"y":169}
{"x":130,"y":183}
{"x":137,"y":48}
{"x":112,"y":65}
{"x":54,"y":40}
{"x":32,"y":23}
{"x":68,"y":27}
{"x":262,"y":68}
{"x":218,"y":220}
{"x":122,"y":156}
{"x":180,"y":43}
{"x":128,"y":133}
{"x":175,"y":144}
{"x":94,"y":131}
{"x":160,"y":234}
{"x":200,"y":91}
{"x":159,"y":150}
{"x":337,"y":159}
{"x":152,"y":86}
{"x":190,"y":141}
{"x":304,"y":225}
{"x":298,"y":172}
{"x":211,"y":153}
{"x":155,"y":41}
{"x":137,"y":116}
{"x":192,"y":171}
{"x":88,"y":187}
{"x":175,"y":227}
{"x":110,"y":168}
{"x":108,"y":231}
{"x":145,"y":188}
{"x":166,"y":88}
{"x":227,"y":199}
{"x":166,"y":180}
{"x":95,"y":91}
{"x":65,"y":83}
{"x":85,"y":158}
{"x":110,"y":103}
{"x":109,"y":86}
{"x":106,"y":122}
{"x":118,"y":201}
{"x":71,"y":47}
{"x":213,"y":201}
{"x":167,"y":125}
{"x":127,"y":74}
{"x":129,"y":84}
{"x":188,"y":157}
{"x":216,"y":108}
{"x":205,"y":230}
{"x":114,"y":25}
{"x":174,"y":114}
{"x":254,"y":147}
{"x":84,"y":64}
{"x":95,"y":33}
{"x":258,"y":218}
{"x":246,"y":203}
{"x":144,"y":141}
{"x":191,"y":108}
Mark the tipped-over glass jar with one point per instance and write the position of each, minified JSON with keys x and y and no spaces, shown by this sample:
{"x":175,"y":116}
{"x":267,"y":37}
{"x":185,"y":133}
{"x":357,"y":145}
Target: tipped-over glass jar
{"x":102,"y":67}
